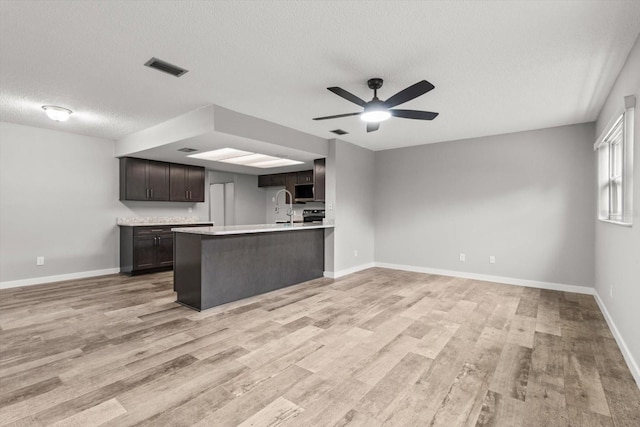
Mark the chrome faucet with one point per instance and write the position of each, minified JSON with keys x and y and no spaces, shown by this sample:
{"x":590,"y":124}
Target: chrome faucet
{"x":290,"y":210}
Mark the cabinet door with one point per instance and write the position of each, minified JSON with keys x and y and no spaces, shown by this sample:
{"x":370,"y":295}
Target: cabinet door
{"x":319,"y":179}
{"x":273,"y":180}
{"x":305,"y":177}
{"x":291,"y":181}
{"x":264,"y":181}
{"x":165,"y":249}
{"x":195,"y":184}
{"x":178,"y":183}
{"x":135,"y":178}
{"x":278,"y":180}
{"x":144,"y":252}
{"x":158,"y":179}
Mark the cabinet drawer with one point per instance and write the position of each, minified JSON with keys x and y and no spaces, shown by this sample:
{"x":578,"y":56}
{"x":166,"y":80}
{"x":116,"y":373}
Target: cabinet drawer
{"x":143,"y":231}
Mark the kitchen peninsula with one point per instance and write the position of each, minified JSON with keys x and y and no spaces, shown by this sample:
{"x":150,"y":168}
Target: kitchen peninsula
{"x":216,"y":265}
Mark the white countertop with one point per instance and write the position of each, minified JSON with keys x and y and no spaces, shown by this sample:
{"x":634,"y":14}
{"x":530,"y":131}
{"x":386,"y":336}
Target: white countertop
{"x":169,"y":224}
{"x":223,"y":230}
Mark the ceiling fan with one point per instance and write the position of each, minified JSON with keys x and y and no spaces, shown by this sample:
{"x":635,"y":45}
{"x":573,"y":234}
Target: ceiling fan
{"x":376,"y":111}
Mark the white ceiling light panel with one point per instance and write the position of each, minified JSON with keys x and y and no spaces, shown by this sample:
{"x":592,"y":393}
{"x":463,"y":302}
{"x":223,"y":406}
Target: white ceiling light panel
{"x":221,"y":154}
{"x":245,"y":158}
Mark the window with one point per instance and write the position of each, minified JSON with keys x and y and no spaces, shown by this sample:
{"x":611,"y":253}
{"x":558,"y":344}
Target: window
{"x":615,"y":168}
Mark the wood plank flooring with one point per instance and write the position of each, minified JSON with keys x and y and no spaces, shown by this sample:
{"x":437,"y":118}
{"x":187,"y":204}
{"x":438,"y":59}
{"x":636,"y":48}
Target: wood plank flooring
{"x":376,"y":348}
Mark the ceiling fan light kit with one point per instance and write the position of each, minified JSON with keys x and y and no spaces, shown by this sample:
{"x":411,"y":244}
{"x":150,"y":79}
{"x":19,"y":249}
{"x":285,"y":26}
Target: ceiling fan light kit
{"x":376,"y":111}
{"x":375,"y":116}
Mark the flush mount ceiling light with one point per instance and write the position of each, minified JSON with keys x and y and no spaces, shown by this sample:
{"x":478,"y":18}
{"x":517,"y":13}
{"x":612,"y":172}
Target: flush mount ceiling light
{"x":58,"y":114}
{"x":244,"y":158}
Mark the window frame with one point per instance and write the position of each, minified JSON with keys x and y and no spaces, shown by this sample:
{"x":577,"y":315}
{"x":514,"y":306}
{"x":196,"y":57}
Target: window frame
{"x":614,"y":151}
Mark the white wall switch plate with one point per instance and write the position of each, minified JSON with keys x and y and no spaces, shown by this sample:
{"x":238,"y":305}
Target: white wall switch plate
{"x":463,"y":257}
{"x":40,"y":260}
{"x":492,"y":259}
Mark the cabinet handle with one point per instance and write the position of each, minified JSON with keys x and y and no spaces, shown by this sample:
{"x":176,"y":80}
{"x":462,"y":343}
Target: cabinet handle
{"x":151,"y":192}
{"x":146,"y":192}
{"x":159,"y":240}
{"x":189,"y":194}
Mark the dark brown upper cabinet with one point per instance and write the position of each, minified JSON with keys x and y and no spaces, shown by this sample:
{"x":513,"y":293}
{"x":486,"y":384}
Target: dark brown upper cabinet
{"x":273,"y":180}
{"x":186,"y":183}
{"x":143,"y":179}
{"x":150,"y":180}
{"x":319,"y":174}
{"x":316,"y":176}
{"x":291,"y":181}
{"x":305,"y":177}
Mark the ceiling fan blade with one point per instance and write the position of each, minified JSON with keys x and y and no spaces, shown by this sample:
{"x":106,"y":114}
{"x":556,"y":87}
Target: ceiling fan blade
{"x":414,"y":114}
{"x":373,"y":126}
{"x":409,"y":93}
{"x":337,"y":116}
{"x":347,"y":95}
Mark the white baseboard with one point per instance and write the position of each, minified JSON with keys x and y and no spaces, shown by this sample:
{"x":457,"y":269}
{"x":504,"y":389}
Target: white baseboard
{"x":58,"y":278}
{"x":346,"y":271}
{"x":488,"y":278}
{"x":628,"y":357}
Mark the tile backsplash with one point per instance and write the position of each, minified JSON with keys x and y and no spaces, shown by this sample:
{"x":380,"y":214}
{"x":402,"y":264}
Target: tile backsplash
{"x":141,"y":220}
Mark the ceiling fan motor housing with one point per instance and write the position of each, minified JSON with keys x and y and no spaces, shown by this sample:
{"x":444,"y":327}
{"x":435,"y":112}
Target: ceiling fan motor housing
{"x":375,"y":83}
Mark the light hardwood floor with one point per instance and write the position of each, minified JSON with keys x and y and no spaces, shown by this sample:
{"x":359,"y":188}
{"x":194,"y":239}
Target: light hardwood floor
{"x":379,"y":347}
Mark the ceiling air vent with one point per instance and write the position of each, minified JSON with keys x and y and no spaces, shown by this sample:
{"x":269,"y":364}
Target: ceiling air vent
{"x":164,"y":66}
{"x":187,"y":150}
{"x":339,"y":132}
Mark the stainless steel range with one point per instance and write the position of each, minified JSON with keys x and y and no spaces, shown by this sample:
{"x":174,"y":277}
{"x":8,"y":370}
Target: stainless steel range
{"x":313,"y":215}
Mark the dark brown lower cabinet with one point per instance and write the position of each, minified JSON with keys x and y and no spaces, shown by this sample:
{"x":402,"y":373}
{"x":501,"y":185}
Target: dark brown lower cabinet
{"x":147,"y":249}
{"x":144,"y":252}
{"x":164,"y":254}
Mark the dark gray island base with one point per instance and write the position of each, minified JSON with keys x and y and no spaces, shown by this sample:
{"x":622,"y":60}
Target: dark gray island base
{"x":219,"y":266}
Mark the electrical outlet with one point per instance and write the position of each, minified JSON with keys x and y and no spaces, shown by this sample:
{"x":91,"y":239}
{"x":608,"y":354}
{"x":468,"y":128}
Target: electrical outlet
{"x":190,"y":210}
{"x":463,"y":257}
{"x":329,"y":206}
{"x":40,"y":260}
{"x":355,"y":252}
{"x":492,"y":259}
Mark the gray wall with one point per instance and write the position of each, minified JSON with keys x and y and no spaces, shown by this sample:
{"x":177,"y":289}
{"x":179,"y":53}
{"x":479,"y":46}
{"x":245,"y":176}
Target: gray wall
{"x":249,"y":200}
{"x":353,"y":167}
{"x":525,"y":198}
{"x":58,"y":199}
{"x":617,"y":258}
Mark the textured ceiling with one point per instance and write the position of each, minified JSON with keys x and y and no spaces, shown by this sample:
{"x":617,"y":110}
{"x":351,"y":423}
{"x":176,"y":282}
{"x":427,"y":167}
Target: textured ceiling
{"x":497,"y":66}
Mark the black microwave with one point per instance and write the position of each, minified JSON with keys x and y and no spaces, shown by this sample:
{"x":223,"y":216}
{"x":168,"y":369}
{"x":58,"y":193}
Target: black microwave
{"x":303,"y":193}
